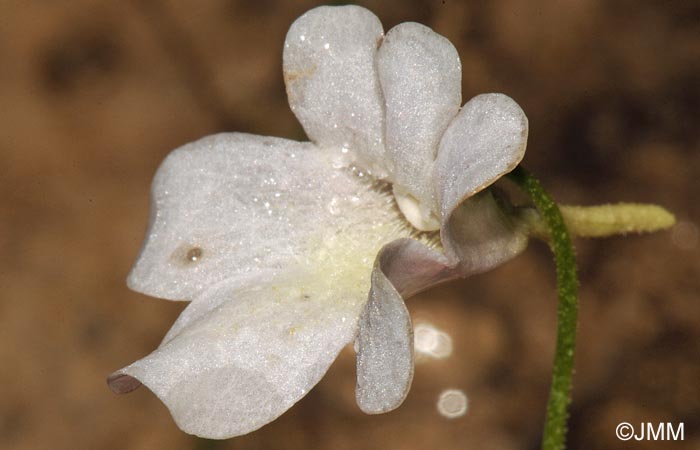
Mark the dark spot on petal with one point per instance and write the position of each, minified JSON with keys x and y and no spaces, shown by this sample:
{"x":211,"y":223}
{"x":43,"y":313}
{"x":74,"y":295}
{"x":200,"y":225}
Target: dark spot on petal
{"x":187,"y":254}
{"x":194,"y":254}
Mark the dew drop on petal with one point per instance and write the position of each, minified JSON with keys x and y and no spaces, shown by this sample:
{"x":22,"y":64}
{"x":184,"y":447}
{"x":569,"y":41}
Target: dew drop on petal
{"x":337,"y":163}
{"x":452,"y":403}
{"x":334,"y":206}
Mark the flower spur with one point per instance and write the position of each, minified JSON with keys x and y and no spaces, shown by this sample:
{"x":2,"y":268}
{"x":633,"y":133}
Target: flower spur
{"x":288,"y":251}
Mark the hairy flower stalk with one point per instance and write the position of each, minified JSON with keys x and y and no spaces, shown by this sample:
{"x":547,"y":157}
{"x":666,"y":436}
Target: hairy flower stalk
{"x":567,"y":311}
{"x":555,"y":224}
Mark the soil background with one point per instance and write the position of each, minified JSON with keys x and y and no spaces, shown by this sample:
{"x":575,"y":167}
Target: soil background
{"x":93,"y":95}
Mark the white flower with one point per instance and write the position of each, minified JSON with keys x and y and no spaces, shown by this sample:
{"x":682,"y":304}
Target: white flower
{"x":277,"y":243}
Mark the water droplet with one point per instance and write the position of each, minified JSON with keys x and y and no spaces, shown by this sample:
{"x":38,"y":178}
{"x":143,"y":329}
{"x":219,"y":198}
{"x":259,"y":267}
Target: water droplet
{"x":333,"y":206}
{"x":302,"y":38}
{"x":337,"y":162}
{"x":326,"y":45}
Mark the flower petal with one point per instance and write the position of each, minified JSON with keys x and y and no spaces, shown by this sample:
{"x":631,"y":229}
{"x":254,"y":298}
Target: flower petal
{"x":384,"y":346}
{"x":384,"y":342}
{"x":242,"y":208}
{"x":237,"y":359}
{"x":480,"y":235}
{"x":332,"y":84}
{"x":486,"y":140}
{"x":412,"y":267}
{"x":421,"y":79}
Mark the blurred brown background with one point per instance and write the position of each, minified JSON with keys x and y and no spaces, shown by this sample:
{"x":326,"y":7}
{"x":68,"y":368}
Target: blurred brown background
{"x":93,"y":95}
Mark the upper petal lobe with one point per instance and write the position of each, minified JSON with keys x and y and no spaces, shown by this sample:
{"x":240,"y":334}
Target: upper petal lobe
{"x":486,"y":140}
{"x":332,"y":83}
{"x":421,"y":79}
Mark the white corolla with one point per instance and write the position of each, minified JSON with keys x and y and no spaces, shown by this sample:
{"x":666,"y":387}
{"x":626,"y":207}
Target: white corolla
{"x":288,"y":251}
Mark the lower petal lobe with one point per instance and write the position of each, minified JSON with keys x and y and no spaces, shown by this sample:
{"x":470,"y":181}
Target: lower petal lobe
{"x":244,"y":208}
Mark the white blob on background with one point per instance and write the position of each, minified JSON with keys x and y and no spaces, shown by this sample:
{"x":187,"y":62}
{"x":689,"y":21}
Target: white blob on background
{"x":452,"y":403}
{"x":684,"y":235}
{"x":431,"y":342}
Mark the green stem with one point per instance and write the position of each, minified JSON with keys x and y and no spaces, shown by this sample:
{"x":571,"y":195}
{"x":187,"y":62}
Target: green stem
{"x":555,"y":426}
